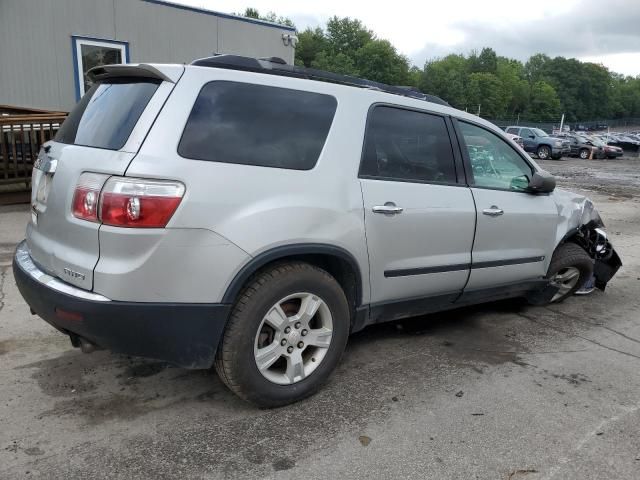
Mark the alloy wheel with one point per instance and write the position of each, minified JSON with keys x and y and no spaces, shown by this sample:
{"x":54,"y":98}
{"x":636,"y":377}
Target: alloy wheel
{"x":293,"y":338}
{"x":566,"y":279}
{"x":543,"y":153}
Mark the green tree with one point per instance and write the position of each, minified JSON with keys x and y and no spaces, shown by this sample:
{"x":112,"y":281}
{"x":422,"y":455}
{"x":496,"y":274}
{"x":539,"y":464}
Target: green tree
{"x":310,"y":44}
{"x":541,"y":89}
{"x":544,"y":104}
{"x":338,"y":63}
{"x":511,"y":74}
{"x":446,"y":78}
{"x":484,"y":62}
{"x":345,"y":35}
{"x":487,"y":91}
{"x":378,"y":60}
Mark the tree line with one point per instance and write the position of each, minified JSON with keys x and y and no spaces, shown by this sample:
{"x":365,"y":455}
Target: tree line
{"x":540,"y":89}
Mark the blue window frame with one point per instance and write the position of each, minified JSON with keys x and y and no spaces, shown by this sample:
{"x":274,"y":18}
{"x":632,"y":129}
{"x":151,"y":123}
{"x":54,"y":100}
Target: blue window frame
{"x":89,"y":52}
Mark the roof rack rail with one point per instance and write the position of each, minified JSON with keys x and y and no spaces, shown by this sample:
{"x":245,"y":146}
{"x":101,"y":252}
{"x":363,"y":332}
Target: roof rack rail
{"x":276,"y":66}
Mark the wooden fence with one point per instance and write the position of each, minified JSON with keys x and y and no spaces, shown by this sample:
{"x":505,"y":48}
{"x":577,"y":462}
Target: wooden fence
{"x":20,"y":139}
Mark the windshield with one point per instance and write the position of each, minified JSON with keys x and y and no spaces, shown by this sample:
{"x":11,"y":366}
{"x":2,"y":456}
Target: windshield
{"x":596,"y":141}
{"x":106,"y":115}
{"x":539,"y":133}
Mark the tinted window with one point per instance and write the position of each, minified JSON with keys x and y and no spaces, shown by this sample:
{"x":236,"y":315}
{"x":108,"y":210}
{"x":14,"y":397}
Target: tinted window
{"x":513,"y":131}
{"x":406,"y":145}
{"x":106,"y":115}
{"x":257,"y":125}
{"x":493,"y":162}
{"x":525,"y":132}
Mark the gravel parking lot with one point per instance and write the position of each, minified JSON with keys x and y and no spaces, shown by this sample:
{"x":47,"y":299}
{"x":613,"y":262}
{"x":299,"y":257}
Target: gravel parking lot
{"x":500,"y":391}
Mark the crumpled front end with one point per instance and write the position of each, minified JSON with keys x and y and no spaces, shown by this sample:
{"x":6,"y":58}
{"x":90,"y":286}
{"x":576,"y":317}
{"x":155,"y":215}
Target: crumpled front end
{"x":581,"y":223}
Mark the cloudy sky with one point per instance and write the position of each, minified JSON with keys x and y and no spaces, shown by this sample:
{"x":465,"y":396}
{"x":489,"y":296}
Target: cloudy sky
{"x":602,"y":31}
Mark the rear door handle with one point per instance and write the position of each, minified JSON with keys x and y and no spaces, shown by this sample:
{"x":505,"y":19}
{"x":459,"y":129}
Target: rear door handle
{"x":388,"y":208}
{"x":493,"y":211}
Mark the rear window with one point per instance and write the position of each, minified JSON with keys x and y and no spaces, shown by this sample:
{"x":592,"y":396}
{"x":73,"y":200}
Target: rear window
{"x":106,"y":115}
{"x":257,"y":125}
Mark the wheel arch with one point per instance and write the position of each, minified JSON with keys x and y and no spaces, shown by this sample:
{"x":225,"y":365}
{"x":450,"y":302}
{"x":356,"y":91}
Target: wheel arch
{"x":337,"y":261}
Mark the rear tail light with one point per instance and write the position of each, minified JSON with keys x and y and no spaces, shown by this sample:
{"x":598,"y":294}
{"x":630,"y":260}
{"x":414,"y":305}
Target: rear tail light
{"x":139,"y":202}
{"x":86,"y":196}
{"x":126,"y":202}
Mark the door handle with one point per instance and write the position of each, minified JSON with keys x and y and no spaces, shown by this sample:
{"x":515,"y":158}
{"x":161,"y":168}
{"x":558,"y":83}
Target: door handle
{"x":388,"y":208}
{"x":493,"y":211}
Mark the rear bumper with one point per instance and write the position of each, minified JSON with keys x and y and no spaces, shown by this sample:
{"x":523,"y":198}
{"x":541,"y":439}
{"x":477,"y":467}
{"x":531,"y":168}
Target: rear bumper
{"x":185,"y":334}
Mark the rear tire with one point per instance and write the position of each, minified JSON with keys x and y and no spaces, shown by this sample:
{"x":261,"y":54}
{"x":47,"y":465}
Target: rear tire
{"x":570,"y":267}
{"x":269,"y":316}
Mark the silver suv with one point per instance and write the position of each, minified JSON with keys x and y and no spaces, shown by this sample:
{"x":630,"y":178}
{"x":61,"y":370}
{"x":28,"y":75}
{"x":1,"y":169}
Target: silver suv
{"x":250,"y":215}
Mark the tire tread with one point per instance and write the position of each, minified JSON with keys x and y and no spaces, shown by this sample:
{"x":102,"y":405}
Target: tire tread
{"x":225,"y":357}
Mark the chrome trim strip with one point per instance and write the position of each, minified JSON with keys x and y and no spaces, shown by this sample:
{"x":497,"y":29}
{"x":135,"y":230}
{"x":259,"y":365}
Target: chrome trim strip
{"x":26,"y":264}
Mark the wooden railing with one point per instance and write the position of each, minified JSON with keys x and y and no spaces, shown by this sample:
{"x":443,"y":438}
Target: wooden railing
{"x":20,"y":139}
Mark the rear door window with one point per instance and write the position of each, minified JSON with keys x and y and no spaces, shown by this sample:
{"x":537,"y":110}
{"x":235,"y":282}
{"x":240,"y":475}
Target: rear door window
{"x":106,"y":115}
{"x":259,"y":125}
{"x":406,"y":145}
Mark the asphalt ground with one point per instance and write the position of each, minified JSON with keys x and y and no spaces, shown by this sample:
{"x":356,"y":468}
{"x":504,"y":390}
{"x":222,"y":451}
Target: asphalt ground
{"x":499,"y":391}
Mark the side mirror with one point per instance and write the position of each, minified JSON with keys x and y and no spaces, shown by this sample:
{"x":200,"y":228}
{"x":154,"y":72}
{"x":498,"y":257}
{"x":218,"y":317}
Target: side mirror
{"x":532,"y":136}
{"x":542,"y":182}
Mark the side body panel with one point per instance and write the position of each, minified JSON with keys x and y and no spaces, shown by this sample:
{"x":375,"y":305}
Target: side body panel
{"x":257,"y":208}
{"x":523,"y":236}
{"x":425,"y":250}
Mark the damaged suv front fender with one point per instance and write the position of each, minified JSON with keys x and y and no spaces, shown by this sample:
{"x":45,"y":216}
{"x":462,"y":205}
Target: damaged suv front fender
{"x":580,"y":222}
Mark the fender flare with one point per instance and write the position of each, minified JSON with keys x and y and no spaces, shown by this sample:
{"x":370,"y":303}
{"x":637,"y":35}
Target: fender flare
{"x":284,"y":251}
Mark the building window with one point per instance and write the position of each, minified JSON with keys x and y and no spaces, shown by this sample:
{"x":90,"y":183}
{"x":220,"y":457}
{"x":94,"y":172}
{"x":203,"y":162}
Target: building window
{"x":93,"y":52}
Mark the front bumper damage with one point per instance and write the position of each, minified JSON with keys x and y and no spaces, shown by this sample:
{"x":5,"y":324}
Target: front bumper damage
{"x":594,"y":240}
{"x":585,"y":227}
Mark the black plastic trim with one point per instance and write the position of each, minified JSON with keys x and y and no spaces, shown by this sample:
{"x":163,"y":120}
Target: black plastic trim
{"x":284,"y":251}
{"x":404,"y":272}
{"x":503,"y":263}
{"x":398,"y":309}
{"x":185,"y":334}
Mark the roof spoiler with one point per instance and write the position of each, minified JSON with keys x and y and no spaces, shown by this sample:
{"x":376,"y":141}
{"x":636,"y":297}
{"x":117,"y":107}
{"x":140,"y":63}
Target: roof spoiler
{"x":140,"y":70}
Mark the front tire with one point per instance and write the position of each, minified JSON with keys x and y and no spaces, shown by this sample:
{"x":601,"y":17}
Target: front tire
{"x":285,"y":336}
{"x":570,"y":267}
{"x":543,"y":152}
{"x":584,"y":154}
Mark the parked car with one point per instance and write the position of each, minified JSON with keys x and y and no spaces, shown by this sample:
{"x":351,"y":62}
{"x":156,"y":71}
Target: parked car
{"x":585,"y":148}
{"x":285,"y":213}
{"x":624,"y":142}
{"x":539,"y":142}
{"x":610,"y":151}
{"x":517,"y":139}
